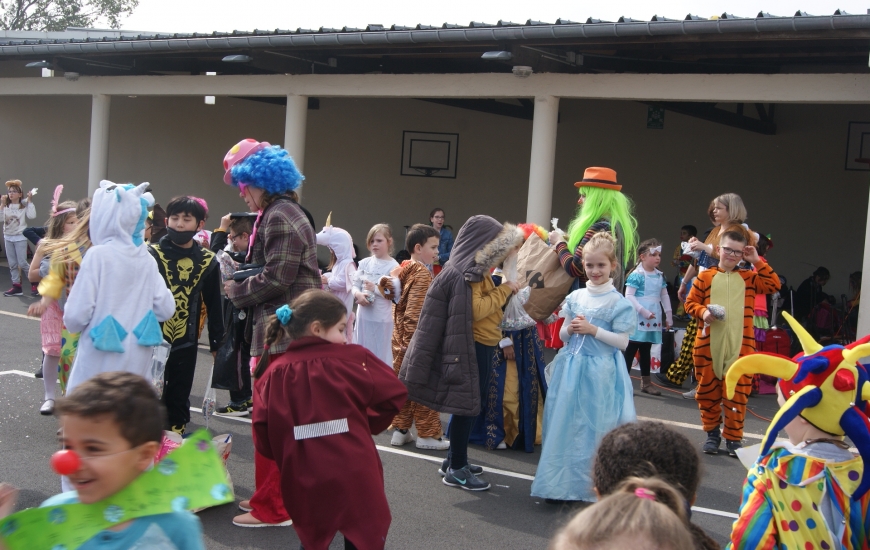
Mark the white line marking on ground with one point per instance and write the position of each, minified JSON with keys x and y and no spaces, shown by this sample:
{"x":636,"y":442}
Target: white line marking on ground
{"x":693,"y":426}
{"x":410,"y":454}
{"x":714,"y":512}
{"x":20,"y":315}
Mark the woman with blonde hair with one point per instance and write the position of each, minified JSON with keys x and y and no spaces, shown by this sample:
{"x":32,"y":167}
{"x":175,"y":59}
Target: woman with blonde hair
{"x":725,"y":211}
{"x":644,"y":514}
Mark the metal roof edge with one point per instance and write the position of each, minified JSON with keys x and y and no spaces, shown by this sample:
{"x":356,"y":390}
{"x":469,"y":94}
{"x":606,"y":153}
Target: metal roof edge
{"x":127,"y":42}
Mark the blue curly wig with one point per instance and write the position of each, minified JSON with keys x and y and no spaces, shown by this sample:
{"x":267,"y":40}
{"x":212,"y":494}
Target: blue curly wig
{"x":270,"y":169}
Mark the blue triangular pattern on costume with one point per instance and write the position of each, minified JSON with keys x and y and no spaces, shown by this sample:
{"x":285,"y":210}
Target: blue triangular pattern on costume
{"x":108,"y":335}
{"x":148,"y":330}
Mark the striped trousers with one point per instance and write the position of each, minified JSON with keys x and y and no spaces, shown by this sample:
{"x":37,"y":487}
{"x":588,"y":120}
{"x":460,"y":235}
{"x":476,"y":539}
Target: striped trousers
{"x":713,"y":403}
{"x":428,"y":421}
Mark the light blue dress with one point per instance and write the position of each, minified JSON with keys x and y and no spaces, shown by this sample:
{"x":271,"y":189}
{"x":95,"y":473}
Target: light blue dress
{"x":590,"y":393}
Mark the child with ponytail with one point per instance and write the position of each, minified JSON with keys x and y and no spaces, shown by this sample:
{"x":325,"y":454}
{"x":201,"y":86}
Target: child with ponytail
{"x":646,"y":288}
{"x":63,"y":221}
{"x":318,"y":404}
{"x":590,"y":392}
{"x":641,"y":513}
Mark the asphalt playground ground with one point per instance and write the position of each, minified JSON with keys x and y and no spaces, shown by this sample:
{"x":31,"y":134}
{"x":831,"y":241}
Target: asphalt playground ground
{"x":426,"y":513}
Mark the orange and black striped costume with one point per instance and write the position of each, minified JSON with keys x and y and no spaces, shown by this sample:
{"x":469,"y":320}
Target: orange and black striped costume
{"x":711,"y":388}
{"x":415,"y":279}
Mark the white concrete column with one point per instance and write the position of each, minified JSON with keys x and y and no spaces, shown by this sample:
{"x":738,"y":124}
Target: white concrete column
{"x":864,"y":312}
{"x":294,"y":128}
{"x":543,"y":160}
{"x":98,"y":161}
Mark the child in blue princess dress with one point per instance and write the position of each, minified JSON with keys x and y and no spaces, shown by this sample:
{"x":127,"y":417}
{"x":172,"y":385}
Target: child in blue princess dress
{"x":590,"y":392}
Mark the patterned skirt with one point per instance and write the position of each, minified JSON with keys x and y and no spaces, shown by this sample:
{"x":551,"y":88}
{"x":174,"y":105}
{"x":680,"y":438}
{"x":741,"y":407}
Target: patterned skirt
{"x":69,"y":344}
{"x":50,"y":329}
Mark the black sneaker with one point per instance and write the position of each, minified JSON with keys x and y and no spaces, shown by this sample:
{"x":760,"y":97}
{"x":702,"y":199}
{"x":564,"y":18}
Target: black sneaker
{"x":234,"y":409}
{"x":34,"y":290}
{"x":38,"y":374}
{"x":711,"y":446}
{"x":473,"y":468}
{"x":14,"y":291}
{"x":665,"y":381}
{"x":732,"y":446}
{"x":464,"y":479}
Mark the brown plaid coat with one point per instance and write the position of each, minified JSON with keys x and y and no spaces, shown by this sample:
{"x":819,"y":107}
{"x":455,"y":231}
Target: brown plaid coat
{"x":285,"y":245}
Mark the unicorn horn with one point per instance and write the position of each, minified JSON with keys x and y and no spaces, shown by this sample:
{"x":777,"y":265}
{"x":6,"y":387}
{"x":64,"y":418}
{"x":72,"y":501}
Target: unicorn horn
{"x":329,"y":219}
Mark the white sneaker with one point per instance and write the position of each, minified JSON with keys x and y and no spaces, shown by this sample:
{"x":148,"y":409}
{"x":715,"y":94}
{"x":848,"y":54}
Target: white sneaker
{"x":400,"y":438}
{"x":433,"y":444}
{"x":690,"y":394}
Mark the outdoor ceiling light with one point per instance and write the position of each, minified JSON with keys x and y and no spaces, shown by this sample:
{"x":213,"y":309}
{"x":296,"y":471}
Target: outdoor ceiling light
{"x":237,"y":59}
{"x":522,"y":71}
{"x":39,"y":65}
{"x":497,"y":56}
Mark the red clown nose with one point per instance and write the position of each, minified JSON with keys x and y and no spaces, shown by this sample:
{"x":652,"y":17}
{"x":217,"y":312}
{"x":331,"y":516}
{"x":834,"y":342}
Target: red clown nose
{"x":65,"y":462}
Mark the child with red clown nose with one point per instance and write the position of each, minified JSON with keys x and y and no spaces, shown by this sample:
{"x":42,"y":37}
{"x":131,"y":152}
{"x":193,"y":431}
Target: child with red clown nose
{"x":811,"y":491}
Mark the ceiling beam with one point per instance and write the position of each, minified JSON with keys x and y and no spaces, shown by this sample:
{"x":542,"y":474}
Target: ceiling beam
{"x":711,"y":113}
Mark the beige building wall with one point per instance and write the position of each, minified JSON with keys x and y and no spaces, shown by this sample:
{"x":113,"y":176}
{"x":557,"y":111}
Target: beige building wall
{"x":794,"y":184}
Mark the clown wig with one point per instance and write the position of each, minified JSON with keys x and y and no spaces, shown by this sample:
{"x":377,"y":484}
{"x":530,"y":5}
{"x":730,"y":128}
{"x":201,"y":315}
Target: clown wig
{"x":529,"y":228}
{"x":270,"y":169}
{"x":613,"y":206}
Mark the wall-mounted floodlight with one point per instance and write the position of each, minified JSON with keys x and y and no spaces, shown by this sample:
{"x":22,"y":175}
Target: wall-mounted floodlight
{"x":39,"y":65}
{"x":237,"y":59}
{"x":497,"y":56}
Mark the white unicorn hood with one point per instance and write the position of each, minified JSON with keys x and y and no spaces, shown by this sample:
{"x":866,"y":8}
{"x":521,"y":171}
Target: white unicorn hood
{"x":341,"y":243}
{"x":118,"y":213}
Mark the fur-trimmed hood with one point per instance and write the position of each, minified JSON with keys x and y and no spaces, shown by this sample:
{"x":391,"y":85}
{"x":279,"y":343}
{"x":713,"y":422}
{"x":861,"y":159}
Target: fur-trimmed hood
{"x":481,"y":244}
{"x":494,"y":253}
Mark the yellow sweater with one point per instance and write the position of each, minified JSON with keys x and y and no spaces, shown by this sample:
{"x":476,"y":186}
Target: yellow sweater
{"x":487,"y":301}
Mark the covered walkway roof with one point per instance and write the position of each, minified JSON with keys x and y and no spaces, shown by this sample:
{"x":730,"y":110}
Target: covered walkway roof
{"x":801,"y":43}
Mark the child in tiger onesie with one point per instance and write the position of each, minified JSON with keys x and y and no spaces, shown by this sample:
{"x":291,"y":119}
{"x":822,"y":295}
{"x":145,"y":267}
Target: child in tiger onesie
{"x":721,"y":342}
{"x":408,"y":285}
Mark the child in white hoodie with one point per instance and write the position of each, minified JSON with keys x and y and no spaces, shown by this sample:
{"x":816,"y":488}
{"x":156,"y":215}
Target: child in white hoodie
{"x":13,"y":213}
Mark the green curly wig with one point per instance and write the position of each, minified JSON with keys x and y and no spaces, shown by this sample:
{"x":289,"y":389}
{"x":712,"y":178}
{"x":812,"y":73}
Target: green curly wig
{"x":612,"y":206}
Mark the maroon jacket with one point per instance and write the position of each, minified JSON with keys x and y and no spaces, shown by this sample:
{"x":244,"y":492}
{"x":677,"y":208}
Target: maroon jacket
{"x":318,"y":406}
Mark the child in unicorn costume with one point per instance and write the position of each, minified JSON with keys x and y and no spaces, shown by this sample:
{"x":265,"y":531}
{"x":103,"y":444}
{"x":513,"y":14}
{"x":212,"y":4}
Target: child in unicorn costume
{"x":119,"y":299}
{"x":339,"y":280}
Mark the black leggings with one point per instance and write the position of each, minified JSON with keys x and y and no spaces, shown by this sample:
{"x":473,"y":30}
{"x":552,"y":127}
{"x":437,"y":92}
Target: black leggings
{"x":632,"y":349}
{"x":460,"y":426}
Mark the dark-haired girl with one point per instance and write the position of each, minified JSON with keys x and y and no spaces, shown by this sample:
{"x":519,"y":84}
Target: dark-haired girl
{"x":318,"y":404}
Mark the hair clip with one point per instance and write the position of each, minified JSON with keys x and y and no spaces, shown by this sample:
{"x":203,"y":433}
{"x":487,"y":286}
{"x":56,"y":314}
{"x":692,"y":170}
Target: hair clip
{"x":284,"y":313}
{"x":641,"y":492}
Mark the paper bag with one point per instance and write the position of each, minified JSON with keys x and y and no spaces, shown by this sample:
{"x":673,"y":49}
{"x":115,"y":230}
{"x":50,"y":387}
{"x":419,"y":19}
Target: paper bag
{"x":539,"y":268}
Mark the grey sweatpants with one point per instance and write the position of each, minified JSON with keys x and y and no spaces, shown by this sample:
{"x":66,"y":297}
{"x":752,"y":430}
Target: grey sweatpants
{"x":16,"y":253}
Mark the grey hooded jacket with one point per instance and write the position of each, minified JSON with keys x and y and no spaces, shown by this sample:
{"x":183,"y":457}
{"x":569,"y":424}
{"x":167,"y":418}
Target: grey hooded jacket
{"x":440,"y":367}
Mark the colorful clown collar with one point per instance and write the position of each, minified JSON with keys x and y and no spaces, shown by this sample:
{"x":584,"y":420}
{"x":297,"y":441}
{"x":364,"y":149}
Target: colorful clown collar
{"x":825,"y":385}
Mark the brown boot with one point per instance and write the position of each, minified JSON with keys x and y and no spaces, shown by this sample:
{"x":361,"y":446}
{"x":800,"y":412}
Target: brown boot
{"x":647,"y":387}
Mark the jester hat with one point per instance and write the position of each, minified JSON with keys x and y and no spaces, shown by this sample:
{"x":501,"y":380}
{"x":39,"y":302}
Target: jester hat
{"x":824,"y":385}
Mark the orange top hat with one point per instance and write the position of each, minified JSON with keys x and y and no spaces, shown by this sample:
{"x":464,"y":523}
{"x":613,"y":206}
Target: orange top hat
{"x":595,"y":176}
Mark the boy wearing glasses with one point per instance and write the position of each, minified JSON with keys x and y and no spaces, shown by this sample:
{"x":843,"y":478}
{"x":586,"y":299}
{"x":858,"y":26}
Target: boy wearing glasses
{"x":722,"y":340}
